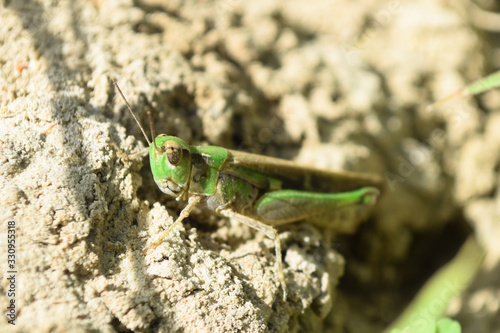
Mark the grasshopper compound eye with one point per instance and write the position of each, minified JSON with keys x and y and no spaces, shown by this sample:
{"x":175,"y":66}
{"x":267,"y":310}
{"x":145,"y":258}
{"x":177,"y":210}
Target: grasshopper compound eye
{"x":174,"y":152}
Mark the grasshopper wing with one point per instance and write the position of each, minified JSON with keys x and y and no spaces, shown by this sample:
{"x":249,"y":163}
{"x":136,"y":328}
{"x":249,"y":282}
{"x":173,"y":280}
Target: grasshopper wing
{"x":338,"y":201}
{"x":300,"y":177}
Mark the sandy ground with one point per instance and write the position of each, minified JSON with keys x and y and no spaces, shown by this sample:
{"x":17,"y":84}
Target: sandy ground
{"x":336,"y":84}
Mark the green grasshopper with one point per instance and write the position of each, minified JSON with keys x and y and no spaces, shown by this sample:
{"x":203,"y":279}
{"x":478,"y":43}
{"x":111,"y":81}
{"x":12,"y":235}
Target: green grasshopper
{"x":261,"y":192}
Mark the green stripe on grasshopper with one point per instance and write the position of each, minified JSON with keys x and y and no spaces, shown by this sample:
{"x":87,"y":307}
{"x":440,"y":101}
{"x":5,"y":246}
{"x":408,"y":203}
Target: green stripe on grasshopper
{"x":256,"y":190}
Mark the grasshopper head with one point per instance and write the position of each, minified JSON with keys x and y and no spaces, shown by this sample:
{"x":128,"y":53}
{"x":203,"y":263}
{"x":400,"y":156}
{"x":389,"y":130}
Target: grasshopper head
{"x":170,"y":159}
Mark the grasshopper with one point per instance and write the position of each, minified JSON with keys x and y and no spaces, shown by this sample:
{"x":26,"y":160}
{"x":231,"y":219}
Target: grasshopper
{"x":261,"y":192}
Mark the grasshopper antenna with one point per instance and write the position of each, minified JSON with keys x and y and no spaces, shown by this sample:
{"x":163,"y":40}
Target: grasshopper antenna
{"x":133,"y":114}
{"x":152,"y":126}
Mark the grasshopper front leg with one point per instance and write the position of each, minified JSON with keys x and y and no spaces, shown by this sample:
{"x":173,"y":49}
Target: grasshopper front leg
{"x":193,"y":200}
{"x":269,"y":231}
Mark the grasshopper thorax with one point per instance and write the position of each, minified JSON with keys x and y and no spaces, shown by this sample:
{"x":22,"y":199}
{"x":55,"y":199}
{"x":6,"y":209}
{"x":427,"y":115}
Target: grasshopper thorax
{"x":170,"y":159}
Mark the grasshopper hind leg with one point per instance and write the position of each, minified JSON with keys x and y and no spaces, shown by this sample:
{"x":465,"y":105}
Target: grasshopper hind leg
{"x":270,"y":232}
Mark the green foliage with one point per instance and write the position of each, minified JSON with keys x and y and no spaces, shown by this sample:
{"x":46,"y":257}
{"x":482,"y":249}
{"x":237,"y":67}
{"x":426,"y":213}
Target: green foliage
{"x":444,"y":325}
{"x":424,"y":313}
